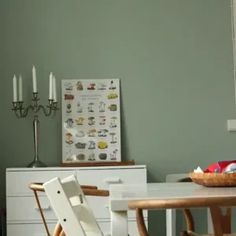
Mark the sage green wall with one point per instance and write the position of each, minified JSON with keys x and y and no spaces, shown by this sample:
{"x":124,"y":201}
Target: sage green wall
{"x":174,"y":59}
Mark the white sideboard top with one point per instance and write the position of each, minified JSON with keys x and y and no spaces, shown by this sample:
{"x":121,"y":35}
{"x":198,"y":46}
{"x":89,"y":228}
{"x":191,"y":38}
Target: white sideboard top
{"x":60,"y":168}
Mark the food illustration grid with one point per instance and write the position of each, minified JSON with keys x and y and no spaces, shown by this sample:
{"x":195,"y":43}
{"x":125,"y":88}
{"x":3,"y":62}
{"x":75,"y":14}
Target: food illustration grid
{"x":91,"y":120}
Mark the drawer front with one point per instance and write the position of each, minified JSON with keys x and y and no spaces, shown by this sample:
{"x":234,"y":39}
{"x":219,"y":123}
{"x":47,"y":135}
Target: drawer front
{"x":132,"y":228}
{"x":25,"y":209}
{"x":28,"y":229}
{"x":104,"y":177}
{"x":38,"y":229}
{"x":18,"y":182}
{"x":99,"y":177}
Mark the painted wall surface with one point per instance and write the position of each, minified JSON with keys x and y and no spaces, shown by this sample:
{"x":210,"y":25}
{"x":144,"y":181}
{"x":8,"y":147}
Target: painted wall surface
{"x":175,"y":62}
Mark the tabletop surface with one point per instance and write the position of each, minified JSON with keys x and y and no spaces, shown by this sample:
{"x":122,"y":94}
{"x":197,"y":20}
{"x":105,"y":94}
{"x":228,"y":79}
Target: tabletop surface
{"x":121,"y":194}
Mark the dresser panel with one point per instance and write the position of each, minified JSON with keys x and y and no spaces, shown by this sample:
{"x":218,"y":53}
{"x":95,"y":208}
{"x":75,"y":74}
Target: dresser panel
{"x":24,"y":178}
{"x":103,"y":178}
{"x":23,"y":218}
{"x":33,"y":229}
{"x":25,"y":209}
{"x":37,"y":229}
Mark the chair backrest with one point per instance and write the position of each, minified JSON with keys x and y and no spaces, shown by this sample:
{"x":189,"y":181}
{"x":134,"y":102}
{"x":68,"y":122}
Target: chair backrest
{"x":71,"y":208}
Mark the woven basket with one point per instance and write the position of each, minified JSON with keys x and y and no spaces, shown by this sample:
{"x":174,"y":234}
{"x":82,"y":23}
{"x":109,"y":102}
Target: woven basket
{"x":214,"y":179}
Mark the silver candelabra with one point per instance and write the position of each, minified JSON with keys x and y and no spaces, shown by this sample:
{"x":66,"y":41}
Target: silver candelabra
{"x":21,"y":111}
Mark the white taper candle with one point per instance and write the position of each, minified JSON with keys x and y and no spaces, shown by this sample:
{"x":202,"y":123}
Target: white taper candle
{"x":34,"y":80}
{"x":54,"y":89}
{"x":14,"y":89}
{"x":20,"y":89}
{"x":50,"y":86}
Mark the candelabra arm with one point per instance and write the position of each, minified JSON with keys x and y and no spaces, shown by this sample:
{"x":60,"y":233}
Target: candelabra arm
{"x":24,"y":111}
{"x":18,"y":115}
{"x":20,"y":110}
{"x":47,"y":111}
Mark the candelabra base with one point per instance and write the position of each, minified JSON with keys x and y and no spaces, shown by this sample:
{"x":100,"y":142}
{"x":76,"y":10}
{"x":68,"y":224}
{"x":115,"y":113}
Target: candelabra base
{"x":36,"y":163}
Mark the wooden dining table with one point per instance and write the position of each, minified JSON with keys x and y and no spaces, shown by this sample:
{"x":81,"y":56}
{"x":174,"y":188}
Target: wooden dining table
{"x":156,"y":196}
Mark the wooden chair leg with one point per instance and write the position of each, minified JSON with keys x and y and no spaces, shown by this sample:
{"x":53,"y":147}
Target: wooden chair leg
{"x":226,"y":220}
{"x":62,"y":233}
{"x":216,"y":220}
{"x":189,"y":220}
{"x":41,"y":212}
{"x":57,"y":230}
{"x":184,"y":233}
{"x":221,"y":219}
{"x":140,"y":223}
{"x":194,"y":234}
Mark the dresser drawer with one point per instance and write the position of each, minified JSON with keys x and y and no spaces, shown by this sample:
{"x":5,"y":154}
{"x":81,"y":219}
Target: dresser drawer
{"x":104,"y":177}
{"x":99,"y":177}
{"x":132,"y":228}
{"x":37,"y":229}
{"x":33,"y":229}
{"x":25,"y":209}
{"x":21,"y":180}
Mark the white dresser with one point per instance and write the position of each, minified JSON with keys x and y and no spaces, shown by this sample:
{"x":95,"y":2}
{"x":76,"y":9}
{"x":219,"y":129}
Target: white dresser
{"x":23,"y":218}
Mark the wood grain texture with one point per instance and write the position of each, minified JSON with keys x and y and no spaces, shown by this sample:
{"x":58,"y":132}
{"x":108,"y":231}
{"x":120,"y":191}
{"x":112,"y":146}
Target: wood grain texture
{"x":102,"y":163}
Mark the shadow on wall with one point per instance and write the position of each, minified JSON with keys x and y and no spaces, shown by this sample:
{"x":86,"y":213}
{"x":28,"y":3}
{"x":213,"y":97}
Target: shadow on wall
{"x":157,"y":222}
{"x":3,"y":222}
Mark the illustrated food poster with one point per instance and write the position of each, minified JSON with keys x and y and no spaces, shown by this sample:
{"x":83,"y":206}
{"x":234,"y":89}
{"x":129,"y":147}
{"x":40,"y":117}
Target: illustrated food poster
{"x":91,"y":120}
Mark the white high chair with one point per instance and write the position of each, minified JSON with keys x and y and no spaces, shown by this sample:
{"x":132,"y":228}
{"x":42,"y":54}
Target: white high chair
{"x":71,"y":208}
